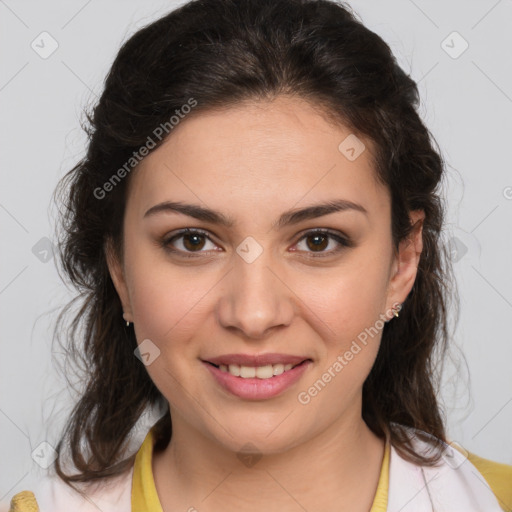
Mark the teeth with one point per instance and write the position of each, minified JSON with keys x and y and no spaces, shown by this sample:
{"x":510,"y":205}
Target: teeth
{"x":247,"y":372}
{"x":264,"y":372}
{"x":278,"y":369}
{"x":260,"y":372}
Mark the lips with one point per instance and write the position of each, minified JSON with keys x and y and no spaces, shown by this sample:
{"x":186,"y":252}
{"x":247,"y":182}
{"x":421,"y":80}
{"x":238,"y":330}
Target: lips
{"x":257,"y":388}
{"x":255,"y":360}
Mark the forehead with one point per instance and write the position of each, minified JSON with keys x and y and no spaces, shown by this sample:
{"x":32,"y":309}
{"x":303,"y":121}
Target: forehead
{"x":257,"y":157}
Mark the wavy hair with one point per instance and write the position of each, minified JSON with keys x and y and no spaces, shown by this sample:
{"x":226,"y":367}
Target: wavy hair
{"x":223,"y":52}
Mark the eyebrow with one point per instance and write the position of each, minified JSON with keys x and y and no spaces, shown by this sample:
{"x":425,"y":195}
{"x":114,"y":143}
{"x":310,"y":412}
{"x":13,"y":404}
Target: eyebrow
{"x":288,"y":218}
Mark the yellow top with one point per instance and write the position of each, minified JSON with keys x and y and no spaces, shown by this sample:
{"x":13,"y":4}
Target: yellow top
{"x":24,"y":501}
{"x":144,"y":495}
{"x":499,"y":478}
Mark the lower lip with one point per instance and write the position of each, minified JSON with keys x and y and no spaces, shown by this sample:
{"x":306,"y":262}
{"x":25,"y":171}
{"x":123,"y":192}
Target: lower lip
{"x":258,"y":389}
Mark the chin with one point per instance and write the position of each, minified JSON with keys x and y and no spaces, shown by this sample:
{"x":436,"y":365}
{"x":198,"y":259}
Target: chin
{"x":262,"y":441}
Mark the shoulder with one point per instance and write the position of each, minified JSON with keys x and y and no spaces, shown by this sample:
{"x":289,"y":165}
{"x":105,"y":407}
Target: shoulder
{"x":54,"y":495}
{"x":460,"y":480}
{"x":498,"y":476}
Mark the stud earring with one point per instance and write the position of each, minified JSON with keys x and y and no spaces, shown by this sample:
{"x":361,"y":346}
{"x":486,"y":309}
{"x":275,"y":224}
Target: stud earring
{"x":397,"y":308}
{"x":127,"y":322}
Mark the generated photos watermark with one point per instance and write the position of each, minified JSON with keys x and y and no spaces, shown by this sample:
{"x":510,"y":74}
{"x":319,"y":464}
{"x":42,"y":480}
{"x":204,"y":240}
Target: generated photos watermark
{"x":342,"y":360}
{"x":158,"y":133}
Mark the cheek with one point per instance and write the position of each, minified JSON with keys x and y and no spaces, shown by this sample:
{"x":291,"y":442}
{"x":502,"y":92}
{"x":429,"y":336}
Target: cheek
{"x":168,"y":308}
{"x":351,"y":297}
{"x":351,"y":306}
{"x":164,"y":297}
{"x":165,"y":307}
{"x":350,"y":302}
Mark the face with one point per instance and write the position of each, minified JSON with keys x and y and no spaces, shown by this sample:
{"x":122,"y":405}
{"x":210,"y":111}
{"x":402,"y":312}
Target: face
{"x":313,"y":287}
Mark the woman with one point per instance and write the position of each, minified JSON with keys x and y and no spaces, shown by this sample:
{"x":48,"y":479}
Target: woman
{"x":255,"y":229}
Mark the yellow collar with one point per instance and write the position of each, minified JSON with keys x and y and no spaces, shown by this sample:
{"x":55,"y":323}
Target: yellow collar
{"x":145,"y":497}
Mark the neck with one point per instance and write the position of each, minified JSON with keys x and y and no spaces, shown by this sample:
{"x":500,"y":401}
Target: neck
{"x":336,"y":470}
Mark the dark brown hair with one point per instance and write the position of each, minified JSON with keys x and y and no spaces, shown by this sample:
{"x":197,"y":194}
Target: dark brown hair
{"x":222,"y":52}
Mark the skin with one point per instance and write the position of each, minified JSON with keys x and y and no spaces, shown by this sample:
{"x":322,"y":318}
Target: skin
{"x":253,"y":162}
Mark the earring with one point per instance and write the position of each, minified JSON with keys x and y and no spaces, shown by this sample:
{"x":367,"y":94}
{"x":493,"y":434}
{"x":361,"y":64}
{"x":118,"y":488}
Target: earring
{"x":397,"y":308}
{"x":127,"y":323}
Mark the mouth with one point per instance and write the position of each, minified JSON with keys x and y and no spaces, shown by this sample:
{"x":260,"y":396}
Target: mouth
{"x":259,"y":382}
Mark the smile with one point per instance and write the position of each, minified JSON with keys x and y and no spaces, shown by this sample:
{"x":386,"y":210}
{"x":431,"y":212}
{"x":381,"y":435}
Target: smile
{"x":257,"y":382}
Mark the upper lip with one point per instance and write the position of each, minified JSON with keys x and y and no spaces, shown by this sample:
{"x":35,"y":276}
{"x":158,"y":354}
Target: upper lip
{"x":255,"y":360}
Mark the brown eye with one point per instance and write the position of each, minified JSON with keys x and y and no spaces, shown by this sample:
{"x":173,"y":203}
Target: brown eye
{"x":319,"y":240}
{"x":192,"y":241}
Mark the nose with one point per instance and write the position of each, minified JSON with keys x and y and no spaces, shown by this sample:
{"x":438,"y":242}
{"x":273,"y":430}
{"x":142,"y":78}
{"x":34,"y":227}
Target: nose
{"x":255,"y":298}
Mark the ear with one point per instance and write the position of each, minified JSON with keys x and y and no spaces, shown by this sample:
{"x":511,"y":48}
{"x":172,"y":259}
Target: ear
{"x":116,"y":271}
{"x":405,"y":262}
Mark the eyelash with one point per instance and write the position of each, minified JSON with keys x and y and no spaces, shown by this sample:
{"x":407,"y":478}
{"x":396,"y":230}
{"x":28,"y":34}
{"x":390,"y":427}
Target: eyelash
{"x":344,"y":242}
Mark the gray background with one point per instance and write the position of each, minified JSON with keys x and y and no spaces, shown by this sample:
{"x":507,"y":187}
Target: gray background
{"x":466,"y":102}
